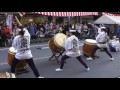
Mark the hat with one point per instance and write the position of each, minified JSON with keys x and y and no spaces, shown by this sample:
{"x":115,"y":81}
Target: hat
{"x":72,"y":30}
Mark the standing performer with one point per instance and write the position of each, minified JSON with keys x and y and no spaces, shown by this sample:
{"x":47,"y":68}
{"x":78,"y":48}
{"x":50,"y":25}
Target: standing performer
{"x":102,"y":39}
{"x":22,"y":44}
{"x":72,"y":50}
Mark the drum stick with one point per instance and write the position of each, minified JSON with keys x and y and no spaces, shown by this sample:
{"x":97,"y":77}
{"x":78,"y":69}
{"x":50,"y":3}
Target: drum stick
{"x":18,"y":20}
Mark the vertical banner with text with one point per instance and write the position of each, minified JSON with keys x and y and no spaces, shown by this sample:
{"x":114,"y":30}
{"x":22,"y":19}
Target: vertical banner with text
{"x":9,"y":20}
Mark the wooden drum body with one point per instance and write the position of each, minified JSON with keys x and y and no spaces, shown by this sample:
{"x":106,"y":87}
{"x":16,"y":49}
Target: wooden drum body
{"x":56,"y":43}
{"x":11,"y":55}
{"x":88,"y":46}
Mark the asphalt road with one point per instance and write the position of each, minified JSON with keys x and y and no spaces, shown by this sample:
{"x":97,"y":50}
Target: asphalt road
{"x":99,"y":68}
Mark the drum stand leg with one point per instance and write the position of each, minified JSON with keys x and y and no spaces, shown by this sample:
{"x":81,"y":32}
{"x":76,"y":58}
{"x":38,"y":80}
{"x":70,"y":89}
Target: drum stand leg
{"x":56,"y":56}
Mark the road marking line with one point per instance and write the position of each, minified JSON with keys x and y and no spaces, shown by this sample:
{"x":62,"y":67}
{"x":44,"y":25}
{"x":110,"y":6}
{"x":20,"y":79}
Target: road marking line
{"x":48,"y":47}
{"x":81,"y":44}
{"x":4,"y":63}
{"x":30,"y":46}
{"x":35,"y":59}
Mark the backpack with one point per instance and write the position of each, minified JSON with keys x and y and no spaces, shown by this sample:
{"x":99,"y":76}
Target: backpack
{"x":75,"y":45}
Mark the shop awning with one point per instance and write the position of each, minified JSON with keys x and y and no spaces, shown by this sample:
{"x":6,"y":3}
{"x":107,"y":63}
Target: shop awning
{"x":66,"y":14}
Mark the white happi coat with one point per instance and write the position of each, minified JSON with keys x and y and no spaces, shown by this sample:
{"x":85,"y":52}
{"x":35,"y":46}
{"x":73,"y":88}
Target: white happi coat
{"x":101,"y":38}
{"x":68,"y":46}
{"x":21,"y":44}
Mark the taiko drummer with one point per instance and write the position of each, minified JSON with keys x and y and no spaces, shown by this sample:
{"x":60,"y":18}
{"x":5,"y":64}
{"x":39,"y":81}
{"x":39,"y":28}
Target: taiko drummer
{"x":102,"y":40}
{"x":72,"y":50}
{"x":22,"y":44}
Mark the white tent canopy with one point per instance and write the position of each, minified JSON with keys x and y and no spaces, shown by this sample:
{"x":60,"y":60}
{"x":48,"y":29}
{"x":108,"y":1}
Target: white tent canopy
{"x":106,"y":19}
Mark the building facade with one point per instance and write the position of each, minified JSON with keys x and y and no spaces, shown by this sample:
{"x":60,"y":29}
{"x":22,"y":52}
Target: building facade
{"x":42,"y":19}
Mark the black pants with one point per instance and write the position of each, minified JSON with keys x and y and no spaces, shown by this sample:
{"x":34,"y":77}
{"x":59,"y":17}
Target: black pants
{"x":30,"y":63}
{"x":66,"y":57}
{"x":33,"y":37}
{"x":0,"y":42}
{"x":96,"y":48}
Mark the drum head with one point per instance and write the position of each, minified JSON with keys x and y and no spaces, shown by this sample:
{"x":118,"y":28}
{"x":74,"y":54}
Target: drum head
{"x":59,"y":39}
{"x":91,"y":41}
{"x":12,"y":50}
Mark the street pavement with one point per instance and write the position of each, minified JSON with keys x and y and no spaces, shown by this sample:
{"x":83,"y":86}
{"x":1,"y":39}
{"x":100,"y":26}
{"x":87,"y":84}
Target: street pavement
{"x":99,"y":68}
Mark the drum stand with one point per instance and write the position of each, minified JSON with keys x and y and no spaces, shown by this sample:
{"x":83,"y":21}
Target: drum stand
{"x":56,"y":56}
{"x":22,"y":70}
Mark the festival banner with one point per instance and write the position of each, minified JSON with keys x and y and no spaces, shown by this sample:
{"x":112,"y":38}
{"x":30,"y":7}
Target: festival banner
{"x":9,"y":20}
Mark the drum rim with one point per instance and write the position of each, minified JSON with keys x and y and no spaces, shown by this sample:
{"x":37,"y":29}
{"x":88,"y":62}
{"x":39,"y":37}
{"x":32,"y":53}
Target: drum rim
{"x":11,"y":53}
{"x":91,"y":40}
{"x":90,"y":43}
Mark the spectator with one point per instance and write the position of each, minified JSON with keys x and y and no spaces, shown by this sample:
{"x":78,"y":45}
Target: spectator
{"x":57,"y":28}
{"x":85,"y":27}
{"x":96,"y":29}
{"x":2,"y":34}
{"x":73,"y":26}
{"x":6,"y":32}
{"x":92,"y":32}
{"x":41,"y":28}
{"x":78,"y":30}
{"x":117,"y":30}
{"x":61,"y":29}
{"x":54,"y":28}
{"x":66,"y":28}
{"x":32,"y":29}
{"x":9,"y":39}
{"x":15,"y":30}
{"x":112,"y":31}
{"x":108,"y":29}
{"x":0,"y":38}
{"x":46,"y":26}
{"x":51,"y":24}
